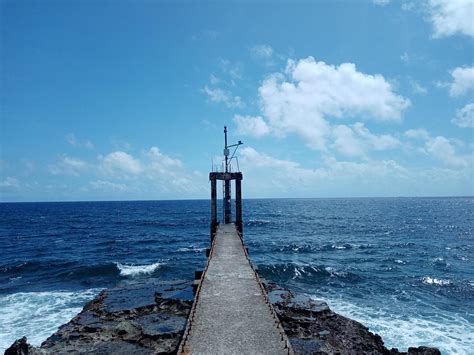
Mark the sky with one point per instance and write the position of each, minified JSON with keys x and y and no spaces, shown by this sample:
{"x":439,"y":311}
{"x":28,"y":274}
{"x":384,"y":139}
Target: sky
{"x":126,"y":100}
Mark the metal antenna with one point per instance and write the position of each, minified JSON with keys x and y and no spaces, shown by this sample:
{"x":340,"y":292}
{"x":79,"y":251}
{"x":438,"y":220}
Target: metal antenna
{"x":226,"y":150}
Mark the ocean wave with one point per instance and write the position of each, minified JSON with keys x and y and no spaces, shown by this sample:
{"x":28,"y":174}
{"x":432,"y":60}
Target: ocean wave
{"x":132,"y":270}
{"x":191,"y":249}
{"x":38,"y":314}
{"x":257,"y":222}
{"x":427,"y":280}
{"x":399,"y":328}
{"x":311,"y":248}
{"x":307,"y":273}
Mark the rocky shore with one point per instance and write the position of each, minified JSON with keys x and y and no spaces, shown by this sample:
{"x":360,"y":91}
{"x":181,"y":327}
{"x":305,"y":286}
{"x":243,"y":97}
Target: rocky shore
{"x":150,"y":318}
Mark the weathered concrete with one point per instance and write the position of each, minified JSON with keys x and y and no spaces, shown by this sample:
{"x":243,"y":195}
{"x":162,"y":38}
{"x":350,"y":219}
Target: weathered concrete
{"x":231,"y":314}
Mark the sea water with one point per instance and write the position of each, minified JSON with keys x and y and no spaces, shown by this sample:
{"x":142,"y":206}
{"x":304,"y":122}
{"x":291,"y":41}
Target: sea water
{"x":404,"y":267}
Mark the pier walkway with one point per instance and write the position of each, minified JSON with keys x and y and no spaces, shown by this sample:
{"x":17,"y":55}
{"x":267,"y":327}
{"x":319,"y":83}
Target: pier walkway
{"x":231,"y":313}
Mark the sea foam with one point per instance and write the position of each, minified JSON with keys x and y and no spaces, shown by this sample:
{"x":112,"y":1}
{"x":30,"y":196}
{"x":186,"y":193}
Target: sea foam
{"x":137,"y":270}
{"x":452,"y":334}
{"x":37,"y":315}
{"x":434,"y":281}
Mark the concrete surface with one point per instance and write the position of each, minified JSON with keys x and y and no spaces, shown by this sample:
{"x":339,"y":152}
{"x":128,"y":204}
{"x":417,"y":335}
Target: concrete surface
{"x":231,"y":316}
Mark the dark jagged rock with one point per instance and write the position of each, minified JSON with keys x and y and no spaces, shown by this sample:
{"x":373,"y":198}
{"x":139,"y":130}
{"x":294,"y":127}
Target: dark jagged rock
{"x":150,"y":319}
{"x":313,"y":328}
{"x":135,"y":319}
{"x":21,"y":347}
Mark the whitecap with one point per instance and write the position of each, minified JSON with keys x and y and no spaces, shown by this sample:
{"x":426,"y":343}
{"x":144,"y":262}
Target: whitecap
{"x":452,"y":334}
{"x":136,"y":270}
{"x":37,"y":315}
{"x":434,"y":281}
{"x":192,"y":249}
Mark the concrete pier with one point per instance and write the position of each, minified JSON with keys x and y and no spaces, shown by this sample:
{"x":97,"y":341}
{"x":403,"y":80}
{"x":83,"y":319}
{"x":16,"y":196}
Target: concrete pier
{"x":231,"y":313}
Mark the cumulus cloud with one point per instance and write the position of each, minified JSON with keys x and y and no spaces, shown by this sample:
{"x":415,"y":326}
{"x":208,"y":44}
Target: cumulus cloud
{"x":333,"y":177}
{"x":463,"y":81}
{"x":465,"y":117}
{"x":289,"y":178}
{"x":439,"y":147}
{"x":223,"y":96}
{"x":68,"y":166}
{"x":418,"y":133}
{"x":442,"y":149}
{"x":302,"y":100}
{"x":450,"y":17}
{"x":357,"y":140}
{"x":251,"y":126}
{"x":381,"y":2}
{"x":119,"y":163}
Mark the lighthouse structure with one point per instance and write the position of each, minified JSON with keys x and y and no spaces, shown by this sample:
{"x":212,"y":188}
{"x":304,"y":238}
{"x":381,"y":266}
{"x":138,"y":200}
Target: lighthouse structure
{"x":227,"y":176}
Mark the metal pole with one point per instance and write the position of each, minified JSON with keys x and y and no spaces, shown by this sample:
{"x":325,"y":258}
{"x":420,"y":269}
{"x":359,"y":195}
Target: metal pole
{"x":238,"y":205}
{"x":213,"y":206}
{"x":227,"y":197}
{"x":226,"y":152}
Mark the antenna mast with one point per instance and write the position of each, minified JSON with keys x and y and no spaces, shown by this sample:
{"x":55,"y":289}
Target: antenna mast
{"x":226,"y":150}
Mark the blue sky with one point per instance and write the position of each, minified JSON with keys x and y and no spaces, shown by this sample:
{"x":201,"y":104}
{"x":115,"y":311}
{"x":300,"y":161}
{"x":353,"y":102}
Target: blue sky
{"x":105,"y":100}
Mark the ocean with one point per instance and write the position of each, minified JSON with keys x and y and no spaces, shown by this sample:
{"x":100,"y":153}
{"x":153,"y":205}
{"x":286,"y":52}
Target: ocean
{"x":404,"y":267}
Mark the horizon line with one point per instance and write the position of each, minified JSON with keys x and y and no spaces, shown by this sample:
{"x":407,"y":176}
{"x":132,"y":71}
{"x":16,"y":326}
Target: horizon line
{"x":250,"y":198}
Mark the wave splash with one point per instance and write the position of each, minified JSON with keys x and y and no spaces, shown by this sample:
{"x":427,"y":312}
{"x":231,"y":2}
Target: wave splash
{"x":434,"y":281}
{"x":452,"y":334}
{"x":38,"y":314}
{"x":133,"y":270}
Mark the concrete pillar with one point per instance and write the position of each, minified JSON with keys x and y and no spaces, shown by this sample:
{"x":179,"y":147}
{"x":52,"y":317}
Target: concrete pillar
{"x":213,"y":207}
{"x":227,"y":206}
{"x":238,"y":204}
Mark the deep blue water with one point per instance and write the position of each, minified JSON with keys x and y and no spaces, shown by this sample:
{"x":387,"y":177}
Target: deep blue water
{"x":402,"y":266}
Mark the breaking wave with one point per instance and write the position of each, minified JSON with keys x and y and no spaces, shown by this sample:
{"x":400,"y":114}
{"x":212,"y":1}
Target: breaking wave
{"x":133,"y":270}
{"x":451,"y":333}
{"x":37,"y":315}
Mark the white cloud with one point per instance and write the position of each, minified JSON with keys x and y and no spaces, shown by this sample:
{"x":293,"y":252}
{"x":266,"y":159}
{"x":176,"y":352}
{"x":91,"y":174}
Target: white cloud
{"x":381,"y":2}
{"x":417,"y":88}
{"x":357,"y":140}
{"x":262,"y":51}
{"x":463,"y":81}
{"x":346,"y":143}
{"x":120,"y":163}
{"x":72,"y":140}
{"x":331,"y":177}
{"x":465,"y":117}
{"x":9,"y":183}
{"x":311,"y":92}
{"x":68,"y":166}
{"x":221,"y":96}
{"x":251,"y":126}
{"x":450,"y":17}
{"x":102,"y":185}
{"x":442,"y":149}
{"x":161,"y":162}
{"x":419,"y":133}
{"x":336,"y":178}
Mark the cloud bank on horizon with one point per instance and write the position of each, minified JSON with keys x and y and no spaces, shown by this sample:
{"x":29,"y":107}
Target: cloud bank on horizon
{"x":381,"y":110}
